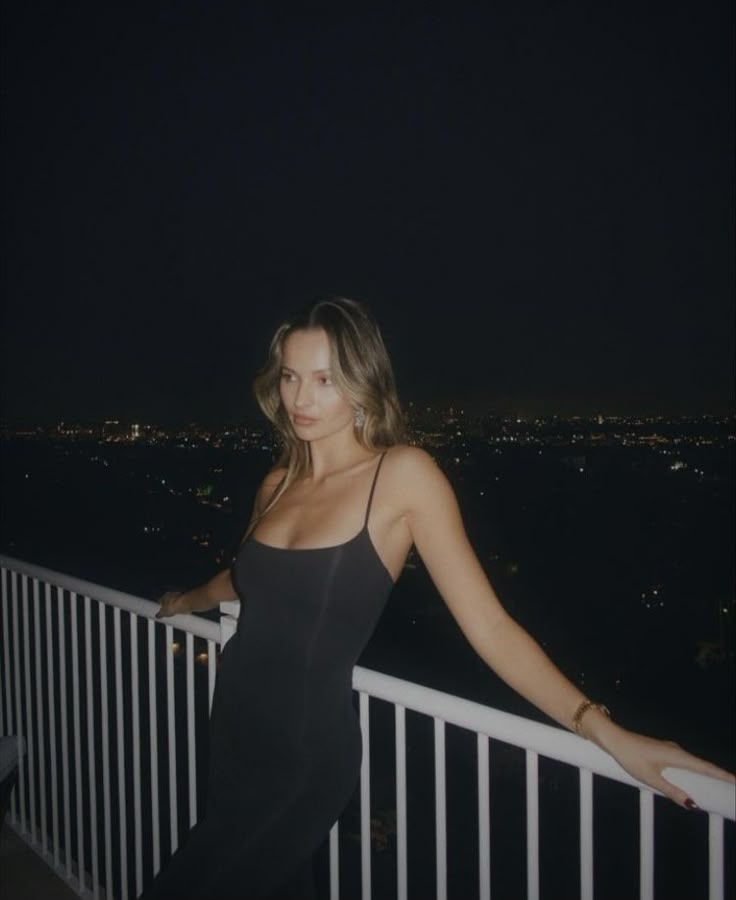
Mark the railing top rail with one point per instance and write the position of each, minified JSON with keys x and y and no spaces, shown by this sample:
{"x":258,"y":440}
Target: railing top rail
{"x":711,"y":794}
{"x":196,"y":625}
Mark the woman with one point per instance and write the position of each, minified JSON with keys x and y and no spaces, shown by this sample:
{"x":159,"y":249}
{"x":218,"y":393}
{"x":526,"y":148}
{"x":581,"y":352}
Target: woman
{"x":326,"y":542}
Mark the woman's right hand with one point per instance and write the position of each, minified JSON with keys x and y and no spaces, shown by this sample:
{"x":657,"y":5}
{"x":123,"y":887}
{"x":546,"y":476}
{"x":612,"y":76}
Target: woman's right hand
{"x":173,"y":603}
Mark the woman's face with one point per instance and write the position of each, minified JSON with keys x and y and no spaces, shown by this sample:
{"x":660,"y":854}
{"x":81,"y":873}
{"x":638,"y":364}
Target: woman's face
{"x":315,"y":406}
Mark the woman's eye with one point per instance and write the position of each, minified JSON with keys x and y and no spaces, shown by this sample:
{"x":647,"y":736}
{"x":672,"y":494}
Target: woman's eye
{"x":286,"y":376}
{"x":325,"y":379}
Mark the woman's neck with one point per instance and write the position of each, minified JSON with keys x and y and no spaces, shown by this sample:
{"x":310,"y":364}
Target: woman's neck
{"x":336,"y":453}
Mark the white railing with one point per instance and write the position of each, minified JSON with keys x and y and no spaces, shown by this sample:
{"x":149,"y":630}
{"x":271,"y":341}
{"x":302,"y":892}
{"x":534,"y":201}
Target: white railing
{"x":78,"y":747}
{"x":111,"y":711}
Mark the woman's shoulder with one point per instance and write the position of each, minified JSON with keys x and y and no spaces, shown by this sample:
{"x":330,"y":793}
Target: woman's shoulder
{"x":408,"y":455}
{"x":417,"y":485}
{"x":410,"y":466}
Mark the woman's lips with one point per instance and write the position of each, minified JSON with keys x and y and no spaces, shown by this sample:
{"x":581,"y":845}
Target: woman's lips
{"x":303,"y":420}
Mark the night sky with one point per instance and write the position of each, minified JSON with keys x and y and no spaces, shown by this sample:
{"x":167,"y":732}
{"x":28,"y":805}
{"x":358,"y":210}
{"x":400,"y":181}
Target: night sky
{"x":535,"y":199}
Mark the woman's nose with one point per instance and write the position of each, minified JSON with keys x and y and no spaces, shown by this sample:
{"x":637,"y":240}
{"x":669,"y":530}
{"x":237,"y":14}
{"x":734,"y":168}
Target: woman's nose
{"x":304,"y":395}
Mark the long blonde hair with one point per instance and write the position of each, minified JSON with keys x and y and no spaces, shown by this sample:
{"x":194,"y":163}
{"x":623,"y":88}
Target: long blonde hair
{"x":361,"y":370}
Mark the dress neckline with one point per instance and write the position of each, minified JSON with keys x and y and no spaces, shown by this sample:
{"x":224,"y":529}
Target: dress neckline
{"x":309,"y":549}
{"x":363,"y":531}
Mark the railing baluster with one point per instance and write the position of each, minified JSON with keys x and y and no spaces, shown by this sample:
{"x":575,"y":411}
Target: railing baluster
{"x":191,"y":747}
{"x":30,"y":755}
{"x":53,"y":760}
{"x":76,"y":725}
{"x":19,"y":798}
{"x":5,"y":729}
{"x":365,"y":800}
{"x":646,"y":845}
{"x":484,"y":821}
{"x":39,"y":716}
{"x":171,"y":735}
{"x":715,"y":857}
{"x":401,"y":859}
{"x":91,"y":767}
{"x":105,"y":728}
{"x":65,"y":753}
{"x":211,"y":670}
{"x":8,"y":729}
{"x":586,"y":834}
{"x":440,"y":805}
{"x":532,"y":825}
{"x":335,"y":861}
{"x":136,"y":735}
{"x":153,"y":728}
{"x":18,"y":801}
{"x":120,"y":732}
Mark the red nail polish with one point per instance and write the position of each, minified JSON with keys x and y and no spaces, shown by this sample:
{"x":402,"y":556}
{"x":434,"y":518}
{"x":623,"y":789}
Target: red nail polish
{"x":691,"y":804}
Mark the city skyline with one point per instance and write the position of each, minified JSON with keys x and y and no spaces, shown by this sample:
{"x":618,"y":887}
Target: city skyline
{"x":413,"y":412}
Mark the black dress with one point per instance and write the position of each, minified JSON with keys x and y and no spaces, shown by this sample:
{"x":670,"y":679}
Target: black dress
{"x":285,"y":744}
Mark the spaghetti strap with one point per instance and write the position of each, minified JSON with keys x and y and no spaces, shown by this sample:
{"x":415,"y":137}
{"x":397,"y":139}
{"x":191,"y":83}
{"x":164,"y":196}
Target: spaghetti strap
{"x":373,"y":487}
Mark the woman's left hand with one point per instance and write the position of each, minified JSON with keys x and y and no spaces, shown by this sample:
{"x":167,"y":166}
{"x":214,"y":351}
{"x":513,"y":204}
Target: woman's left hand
{"x":645,"y":758}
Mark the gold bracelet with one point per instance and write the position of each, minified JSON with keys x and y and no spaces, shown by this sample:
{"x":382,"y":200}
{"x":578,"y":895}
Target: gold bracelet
{"x":581,"y":711}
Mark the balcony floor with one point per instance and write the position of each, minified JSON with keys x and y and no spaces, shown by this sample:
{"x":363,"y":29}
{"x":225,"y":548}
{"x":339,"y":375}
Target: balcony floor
{"x":25,"y":876}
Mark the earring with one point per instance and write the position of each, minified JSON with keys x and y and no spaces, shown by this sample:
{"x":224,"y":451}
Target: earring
{"x":359,"y":416}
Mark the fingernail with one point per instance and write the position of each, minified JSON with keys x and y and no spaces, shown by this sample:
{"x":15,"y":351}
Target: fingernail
{"x":691,"y":804}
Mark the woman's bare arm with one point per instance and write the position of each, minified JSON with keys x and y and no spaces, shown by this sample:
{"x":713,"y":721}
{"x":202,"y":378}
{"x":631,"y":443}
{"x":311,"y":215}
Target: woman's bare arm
{"x":433,"y":517}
